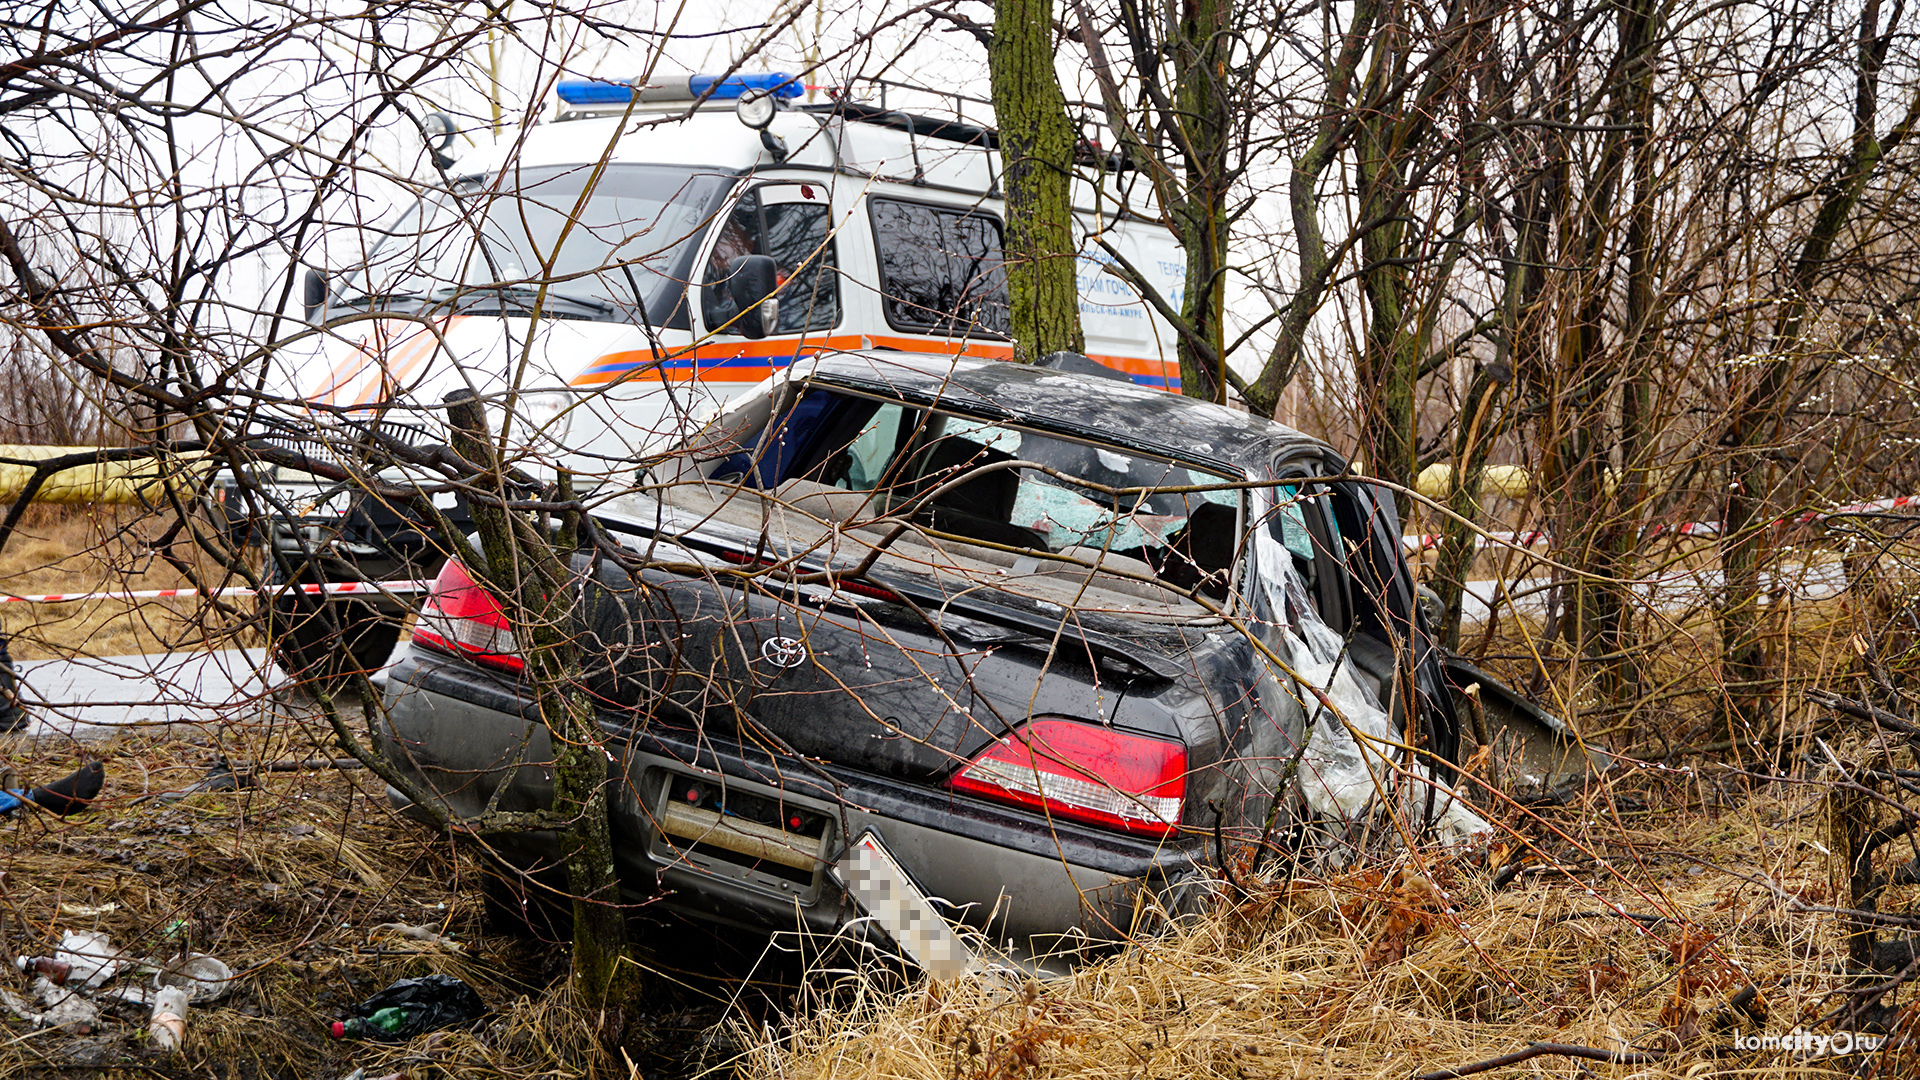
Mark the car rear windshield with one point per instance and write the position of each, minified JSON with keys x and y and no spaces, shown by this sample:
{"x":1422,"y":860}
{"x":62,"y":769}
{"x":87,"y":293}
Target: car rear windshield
{"x":1004,"y":484}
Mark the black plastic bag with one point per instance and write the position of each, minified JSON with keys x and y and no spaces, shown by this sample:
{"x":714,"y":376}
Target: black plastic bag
{"x":430,"y":1002}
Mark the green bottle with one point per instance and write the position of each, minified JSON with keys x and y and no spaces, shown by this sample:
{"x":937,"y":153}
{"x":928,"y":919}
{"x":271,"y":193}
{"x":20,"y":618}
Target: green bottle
{"x":386,"y":1021}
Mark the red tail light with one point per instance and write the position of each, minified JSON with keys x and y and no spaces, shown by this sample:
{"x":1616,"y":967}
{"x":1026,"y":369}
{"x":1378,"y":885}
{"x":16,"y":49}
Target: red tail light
{"x":1084,"y":772}
{"x":462,"y":617}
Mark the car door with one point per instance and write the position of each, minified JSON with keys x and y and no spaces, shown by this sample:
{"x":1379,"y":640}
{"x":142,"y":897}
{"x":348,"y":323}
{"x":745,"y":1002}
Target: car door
{"x":1384,"y":617}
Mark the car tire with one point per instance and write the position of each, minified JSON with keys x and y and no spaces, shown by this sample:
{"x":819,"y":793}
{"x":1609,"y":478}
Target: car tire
{"x":321,"y":640}
{"x":514,"y":904}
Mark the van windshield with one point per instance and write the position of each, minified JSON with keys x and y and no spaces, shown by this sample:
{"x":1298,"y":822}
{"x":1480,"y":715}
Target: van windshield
{"x":483,"y":245}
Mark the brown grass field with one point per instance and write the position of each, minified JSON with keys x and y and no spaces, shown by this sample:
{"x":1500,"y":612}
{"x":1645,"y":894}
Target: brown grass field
{"x":70,"y":550}
{"x":1407,"y":964}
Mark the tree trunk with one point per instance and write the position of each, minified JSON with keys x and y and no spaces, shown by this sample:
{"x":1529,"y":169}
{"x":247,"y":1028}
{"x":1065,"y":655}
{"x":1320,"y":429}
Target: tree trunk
{"x":530,"y":570}
{"x":1303,"y":200}
{"x":1480,"y":424}
{"x":1615,"y":638}
{"x":1758,"y":421}
{"x":1203,"y":98}
{"x":1388,"y":366}
{"x":1036,"y":147}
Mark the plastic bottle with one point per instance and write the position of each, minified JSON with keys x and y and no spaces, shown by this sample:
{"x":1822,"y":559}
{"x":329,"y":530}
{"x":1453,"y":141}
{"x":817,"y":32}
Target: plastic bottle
{"x":56,"y":971}
{"x":168,"y":1027}
{"x":386,"y":1021}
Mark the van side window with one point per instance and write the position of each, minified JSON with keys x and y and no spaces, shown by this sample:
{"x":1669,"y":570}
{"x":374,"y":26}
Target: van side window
{"x":941,"y":269}
{"x":792,"y":223}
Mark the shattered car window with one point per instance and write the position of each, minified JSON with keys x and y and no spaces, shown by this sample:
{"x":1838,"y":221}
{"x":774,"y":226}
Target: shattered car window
{"x":974,"y":478}
{"x":1290,"y":524}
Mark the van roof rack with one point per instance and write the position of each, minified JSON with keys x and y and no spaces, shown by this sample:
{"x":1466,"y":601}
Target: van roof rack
{"x":932,"y":127}
{"x":959,"y":131}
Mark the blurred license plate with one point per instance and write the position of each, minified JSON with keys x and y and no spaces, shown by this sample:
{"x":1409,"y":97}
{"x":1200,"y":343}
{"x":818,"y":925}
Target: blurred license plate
{"x":875,"y":878}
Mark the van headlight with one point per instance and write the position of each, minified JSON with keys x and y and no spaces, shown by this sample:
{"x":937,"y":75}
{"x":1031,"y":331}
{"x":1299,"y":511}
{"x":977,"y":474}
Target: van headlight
{"x":550,"y":412}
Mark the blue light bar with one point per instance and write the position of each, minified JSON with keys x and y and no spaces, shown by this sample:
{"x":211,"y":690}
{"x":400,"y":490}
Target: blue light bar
{"x":678,"y":88}
{"x":780,"y":83}
{"x":593,"y":92}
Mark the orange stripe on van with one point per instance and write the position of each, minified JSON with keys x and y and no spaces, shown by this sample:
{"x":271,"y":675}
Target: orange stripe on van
{"x":323,"y":393}
{"x":751,"y":361}
{"x":404,"y":359}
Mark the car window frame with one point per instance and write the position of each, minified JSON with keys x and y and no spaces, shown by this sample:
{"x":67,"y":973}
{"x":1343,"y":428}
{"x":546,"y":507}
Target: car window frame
{"x":922,"y":421}
{"x":1332,"y":581}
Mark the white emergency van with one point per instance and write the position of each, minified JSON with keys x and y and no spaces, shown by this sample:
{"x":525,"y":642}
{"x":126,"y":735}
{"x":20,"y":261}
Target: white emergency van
{"x":607,"y":275}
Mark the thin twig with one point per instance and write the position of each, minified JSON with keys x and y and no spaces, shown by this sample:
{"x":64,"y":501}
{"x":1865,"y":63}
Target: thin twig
{"x":1541,"y":1049}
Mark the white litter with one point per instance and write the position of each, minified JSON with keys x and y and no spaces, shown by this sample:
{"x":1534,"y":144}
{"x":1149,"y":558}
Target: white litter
{"x":94,"y":957}
{"x":168,"y":1026}
{"x":1351,"y":759}
{"x":203,"y":978}
{"x":60,"y":1006}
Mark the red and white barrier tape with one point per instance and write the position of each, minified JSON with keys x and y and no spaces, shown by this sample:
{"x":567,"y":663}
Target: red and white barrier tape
{"x":1530,"y":537}
{"x":1894,"y":503}
{"x":404,"y":588}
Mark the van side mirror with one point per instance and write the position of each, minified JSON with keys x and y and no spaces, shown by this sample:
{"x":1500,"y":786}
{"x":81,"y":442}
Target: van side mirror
{"x":751,"y":285}
{"x":313,"y":289}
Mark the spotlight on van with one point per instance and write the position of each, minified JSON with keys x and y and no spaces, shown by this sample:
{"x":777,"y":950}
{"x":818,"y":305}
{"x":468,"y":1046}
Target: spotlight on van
{"x":755,"y":110}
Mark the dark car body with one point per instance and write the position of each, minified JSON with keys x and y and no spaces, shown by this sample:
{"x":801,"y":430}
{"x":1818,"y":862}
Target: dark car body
{"x":872,"y":575}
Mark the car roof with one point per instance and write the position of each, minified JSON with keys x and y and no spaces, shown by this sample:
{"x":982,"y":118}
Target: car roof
{"x":1086,"y":405}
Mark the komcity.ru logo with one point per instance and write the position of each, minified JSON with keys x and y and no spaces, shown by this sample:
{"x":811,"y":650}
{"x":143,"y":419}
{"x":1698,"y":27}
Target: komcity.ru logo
{"x":1812,"y":1044}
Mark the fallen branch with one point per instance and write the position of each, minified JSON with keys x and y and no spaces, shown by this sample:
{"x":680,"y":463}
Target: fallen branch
{"x":1860,"y":710}
{"x":1745,"y":1002}
{"x":1541,"y":1049}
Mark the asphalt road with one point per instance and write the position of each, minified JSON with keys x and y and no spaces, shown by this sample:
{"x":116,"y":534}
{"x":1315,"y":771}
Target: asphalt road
{"x":1680,"y":590}
{"x":89,"y":697}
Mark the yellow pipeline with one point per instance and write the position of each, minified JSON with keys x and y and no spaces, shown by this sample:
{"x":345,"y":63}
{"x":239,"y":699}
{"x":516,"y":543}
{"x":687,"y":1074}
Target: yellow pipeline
{"x":139,"y":481}
{"x":1436,"y":481}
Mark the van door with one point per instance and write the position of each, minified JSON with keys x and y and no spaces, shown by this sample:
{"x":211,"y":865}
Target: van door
{"x":793,"y":223}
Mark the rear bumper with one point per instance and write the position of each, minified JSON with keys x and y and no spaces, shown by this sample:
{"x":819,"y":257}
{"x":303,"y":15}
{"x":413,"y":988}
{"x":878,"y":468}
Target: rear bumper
{"x":471,"y":736}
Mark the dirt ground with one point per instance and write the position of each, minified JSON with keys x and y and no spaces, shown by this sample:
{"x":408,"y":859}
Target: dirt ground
{"x":303,"y":881}
{"x":310,"y":888}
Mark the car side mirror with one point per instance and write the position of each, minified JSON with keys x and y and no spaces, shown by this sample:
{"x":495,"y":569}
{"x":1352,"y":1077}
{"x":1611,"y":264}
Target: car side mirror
{"x":314,"y":293}
{"x":751,"y":285}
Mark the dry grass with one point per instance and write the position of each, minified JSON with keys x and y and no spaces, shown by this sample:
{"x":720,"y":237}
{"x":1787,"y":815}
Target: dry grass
{"x":1414,"y":967}
{"x":1383,"y":970}
{"x":70,"y":550}
{"x":287,"y":882}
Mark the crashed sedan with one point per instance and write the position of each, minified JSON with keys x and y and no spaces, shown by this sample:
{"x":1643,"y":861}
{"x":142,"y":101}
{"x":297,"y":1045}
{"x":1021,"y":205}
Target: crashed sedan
{"x":1034,"y":645}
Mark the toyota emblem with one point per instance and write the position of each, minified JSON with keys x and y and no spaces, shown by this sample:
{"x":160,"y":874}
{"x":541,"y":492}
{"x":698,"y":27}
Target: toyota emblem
{"x":784,"y":652}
